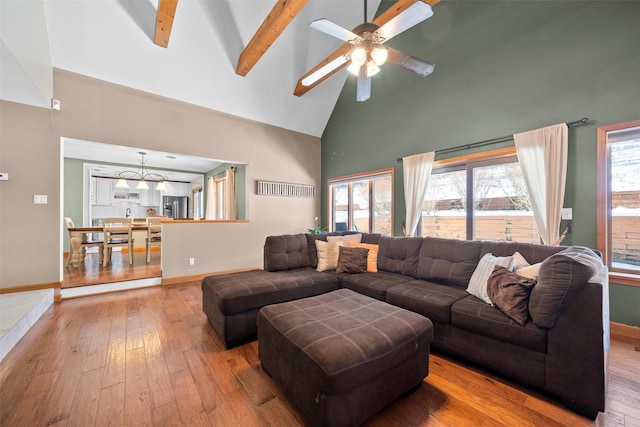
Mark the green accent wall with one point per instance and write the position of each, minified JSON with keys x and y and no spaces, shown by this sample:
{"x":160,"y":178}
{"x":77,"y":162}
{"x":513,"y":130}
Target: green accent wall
{"x":73,"y":193}
{"x":502,"y":67}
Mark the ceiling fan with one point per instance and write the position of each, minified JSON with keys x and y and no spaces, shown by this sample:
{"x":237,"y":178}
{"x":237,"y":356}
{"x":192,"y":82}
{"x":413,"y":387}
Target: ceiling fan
{"x":367,"y":52}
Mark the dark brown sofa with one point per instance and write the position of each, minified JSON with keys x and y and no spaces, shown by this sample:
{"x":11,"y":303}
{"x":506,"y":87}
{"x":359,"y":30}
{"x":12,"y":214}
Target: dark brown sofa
{"x":562,"y":347}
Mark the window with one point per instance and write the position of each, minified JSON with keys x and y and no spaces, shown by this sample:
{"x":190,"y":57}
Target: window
{"x":479,"y":197}
{"x":619,"y":200}
{"x":362,"y":202}
{"x":220,"y":186}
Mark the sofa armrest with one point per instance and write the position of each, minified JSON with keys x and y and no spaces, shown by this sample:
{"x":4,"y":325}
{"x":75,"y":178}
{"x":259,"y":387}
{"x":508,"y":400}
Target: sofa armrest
{"x":578,"y":349}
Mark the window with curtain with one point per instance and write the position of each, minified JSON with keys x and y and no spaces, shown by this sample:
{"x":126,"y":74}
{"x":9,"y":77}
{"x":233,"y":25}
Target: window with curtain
{"x":479,"y":197}
{"x":619,"y":200}
{"x":362,"y":202}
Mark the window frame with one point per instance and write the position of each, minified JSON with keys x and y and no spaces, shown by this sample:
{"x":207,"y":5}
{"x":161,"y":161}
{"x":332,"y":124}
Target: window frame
{"x":351,"y":179}
{"x":603,"y":217}
{"x":469,"y":162}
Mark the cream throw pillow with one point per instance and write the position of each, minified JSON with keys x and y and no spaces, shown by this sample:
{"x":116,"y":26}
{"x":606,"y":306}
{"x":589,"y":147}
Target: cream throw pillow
{"x":478,"y":283}
{"x":327,"y":255}
{"x":522,"y":267}
{"x":343,"y":240}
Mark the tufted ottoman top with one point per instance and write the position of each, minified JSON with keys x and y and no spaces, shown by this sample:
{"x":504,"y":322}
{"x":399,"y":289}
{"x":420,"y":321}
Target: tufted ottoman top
{"x":345,"y":337}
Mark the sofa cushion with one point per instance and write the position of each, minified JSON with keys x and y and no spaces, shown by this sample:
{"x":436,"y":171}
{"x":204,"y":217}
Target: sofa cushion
{"x":286,"y":252}
{"x":448,"y":261}
{"x":561,"y":277}
{"x":509,"y":292}
{"x":248,"y":290}
{"x":478,"y":283}
{"x":432,"y":300}
{"x":532,"y":252}
{"x":352,"y":260}
{"x":399,"y":254}
{"x":474,"y":315}
{"x":374,"y":285}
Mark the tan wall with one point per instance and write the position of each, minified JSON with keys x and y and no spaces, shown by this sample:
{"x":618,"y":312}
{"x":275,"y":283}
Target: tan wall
{"x":30,"y":235}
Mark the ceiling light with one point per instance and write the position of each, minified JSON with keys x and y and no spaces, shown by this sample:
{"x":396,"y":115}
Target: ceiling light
{"x":358,"y":56}
{"x":379,"y":55}
{"x":354,"y":69}
{"x":142,"y":176}
{"x":372,"y":69}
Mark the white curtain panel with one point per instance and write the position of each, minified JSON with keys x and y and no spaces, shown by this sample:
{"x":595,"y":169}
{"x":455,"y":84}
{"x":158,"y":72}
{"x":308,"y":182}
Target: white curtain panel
{"x":230,"y":193}
{"x":210,"y":210}
{"x":416,"y":170}
{"x":542,"y":154}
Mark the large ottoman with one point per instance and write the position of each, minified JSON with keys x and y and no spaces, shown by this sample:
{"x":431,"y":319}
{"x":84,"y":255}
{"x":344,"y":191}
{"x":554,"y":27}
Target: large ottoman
{"x":231,"y":301}
{"x":342,"y":356}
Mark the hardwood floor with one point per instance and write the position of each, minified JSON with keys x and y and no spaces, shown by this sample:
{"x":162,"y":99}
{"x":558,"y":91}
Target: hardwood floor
{"x":91,"y":272}
{"x":150,"y":357}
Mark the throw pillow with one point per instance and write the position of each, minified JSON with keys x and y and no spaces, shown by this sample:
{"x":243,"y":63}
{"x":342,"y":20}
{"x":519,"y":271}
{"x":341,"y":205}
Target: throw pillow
{"x":478,"y":283}
{"x":522,"y":267}
{"x":352,"y":260}
{"x":327,"y":255}
{"x":510,"y":292}
{"x":372,"y":257}
{"x":343,"y":240}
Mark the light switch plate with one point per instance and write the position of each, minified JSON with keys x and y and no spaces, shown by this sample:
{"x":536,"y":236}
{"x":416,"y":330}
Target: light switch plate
{"x":567,"y":213}
{"x":4,"y":176}
{"x":39,"y":199}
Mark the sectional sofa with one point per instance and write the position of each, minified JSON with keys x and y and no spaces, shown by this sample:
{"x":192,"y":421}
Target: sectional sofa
{"x":560,"y":345}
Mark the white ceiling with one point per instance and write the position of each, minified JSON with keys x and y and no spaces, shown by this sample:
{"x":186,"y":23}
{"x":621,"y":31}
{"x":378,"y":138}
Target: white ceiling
{"x":192,"y":167}
{"x":111,"y":40}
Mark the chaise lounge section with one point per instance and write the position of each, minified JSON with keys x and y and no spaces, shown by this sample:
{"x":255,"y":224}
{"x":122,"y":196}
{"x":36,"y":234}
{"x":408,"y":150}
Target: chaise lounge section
{"x":561,"y":345}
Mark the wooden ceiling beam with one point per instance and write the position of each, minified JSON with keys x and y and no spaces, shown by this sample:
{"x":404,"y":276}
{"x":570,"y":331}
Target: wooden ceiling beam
{"x":274,"y":24}
{"x":164,"y":21}
{"x":397,"y":8}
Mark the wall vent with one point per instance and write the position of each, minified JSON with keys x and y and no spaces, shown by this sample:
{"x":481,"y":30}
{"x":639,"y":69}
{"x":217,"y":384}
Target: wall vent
{"x":270,"y":188}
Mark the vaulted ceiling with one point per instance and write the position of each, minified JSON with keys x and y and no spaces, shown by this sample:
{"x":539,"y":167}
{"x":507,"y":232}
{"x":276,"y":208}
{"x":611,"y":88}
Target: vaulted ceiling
{"x":244,"y":58}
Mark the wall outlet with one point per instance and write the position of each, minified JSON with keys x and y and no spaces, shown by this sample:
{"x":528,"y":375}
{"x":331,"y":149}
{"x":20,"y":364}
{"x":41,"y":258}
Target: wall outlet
{"x":39,"y":199}
{"x":567,"y":213}
{"x":192,"y":261}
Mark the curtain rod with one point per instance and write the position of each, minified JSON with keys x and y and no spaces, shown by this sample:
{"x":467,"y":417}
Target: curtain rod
{"x":579,"y":122}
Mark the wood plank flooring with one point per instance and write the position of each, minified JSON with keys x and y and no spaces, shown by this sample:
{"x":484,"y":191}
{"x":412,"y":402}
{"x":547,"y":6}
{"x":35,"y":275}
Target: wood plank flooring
{"x":91,"y":272}
{"x":150,"y":357}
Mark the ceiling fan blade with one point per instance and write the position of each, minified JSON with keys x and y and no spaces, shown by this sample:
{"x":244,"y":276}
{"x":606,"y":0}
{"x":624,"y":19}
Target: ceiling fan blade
{"x":335,"y":30}
{"x":363,"y":90}
{"x":323,"y":71}
{"x":411,"y":63}
{"x":164,"y":21}
{"x":411,"y":16}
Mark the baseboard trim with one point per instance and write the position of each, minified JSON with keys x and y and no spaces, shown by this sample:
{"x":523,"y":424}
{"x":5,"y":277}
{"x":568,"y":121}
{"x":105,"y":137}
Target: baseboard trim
{"x":625,"y":332}
{"x":195,"y":277}
{"x":35,"y":287}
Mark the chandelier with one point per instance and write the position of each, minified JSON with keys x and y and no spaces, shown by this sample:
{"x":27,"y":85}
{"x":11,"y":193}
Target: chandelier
{"x":141,"y":176}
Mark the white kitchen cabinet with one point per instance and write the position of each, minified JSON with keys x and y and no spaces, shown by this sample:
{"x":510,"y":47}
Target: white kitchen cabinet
{"x":103,"y":191}
{"x":176,"y":189}
{"x":150,"y":197}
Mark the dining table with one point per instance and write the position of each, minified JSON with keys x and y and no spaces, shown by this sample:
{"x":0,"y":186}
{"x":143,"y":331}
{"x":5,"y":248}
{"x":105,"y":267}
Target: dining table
{"x":77,"y":235}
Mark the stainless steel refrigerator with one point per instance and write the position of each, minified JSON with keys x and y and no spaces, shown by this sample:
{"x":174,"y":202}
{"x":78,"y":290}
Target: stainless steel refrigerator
{"x":176,"y":207}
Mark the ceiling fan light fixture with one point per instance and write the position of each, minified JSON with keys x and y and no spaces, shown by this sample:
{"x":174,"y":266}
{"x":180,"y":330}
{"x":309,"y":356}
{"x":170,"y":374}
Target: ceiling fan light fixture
{"x":379,"y":55}
{"x":358,"y":56}
{"x":372,"y":69}
{"x":354,"y":69}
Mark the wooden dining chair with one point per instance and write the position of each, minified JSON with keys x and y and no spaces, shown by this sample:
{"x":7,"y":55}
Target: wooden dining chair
{"x":84,"y":244}
{"x":117,"y":232}
{"x":154,"y":234}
